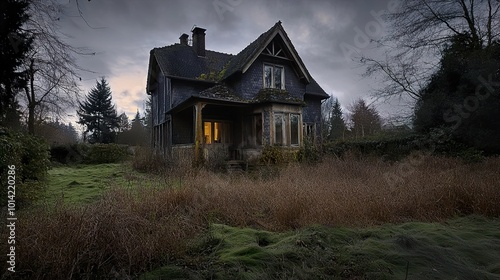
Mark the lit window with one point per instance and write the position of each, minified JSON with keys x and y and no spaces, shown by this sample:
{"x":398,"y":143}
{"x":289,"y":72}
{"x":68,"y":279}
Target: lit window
{"x":208,"y":132}
{"x":274,"y":76}
{"x":217,"y":132}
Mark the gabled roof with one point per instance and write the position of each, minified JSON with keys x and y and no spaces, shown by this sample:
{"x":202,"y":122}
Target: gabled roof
{"x":181,"y":61}
{"x":242,"y":61}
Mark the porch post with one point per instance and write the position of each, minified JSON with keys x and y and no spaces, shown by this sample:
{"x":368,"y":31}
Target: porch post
{"x":198,"y":132}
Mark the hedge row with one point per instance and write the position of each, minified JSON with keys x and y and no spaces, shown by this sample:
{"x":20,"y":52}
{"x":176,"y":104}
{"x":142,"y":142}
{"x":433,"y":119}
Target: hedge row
{"x":437,"y":142}
{"x":30,"y":157}
{"x":89,"y":154}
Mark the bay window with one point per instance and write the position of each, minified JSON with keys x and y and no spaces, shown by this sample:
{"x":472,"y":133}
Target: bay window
{"x":286,"y":129}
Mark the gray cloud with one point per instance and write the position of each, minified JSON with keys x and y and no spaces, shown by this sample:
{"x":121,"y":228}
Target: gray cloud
{"x":133,"y":28}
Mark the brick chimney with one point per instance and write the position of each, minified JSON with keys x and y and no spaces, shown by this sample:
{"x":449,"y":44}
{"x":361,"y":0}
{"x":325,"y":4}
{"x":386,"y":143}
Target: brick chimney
{"x":184,"y":39}
{"x":199,"y":41}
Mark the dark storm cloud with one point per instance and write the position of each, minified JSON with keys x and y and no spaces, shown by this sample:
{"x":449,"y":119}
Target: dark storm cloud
{"x":127,"y":30}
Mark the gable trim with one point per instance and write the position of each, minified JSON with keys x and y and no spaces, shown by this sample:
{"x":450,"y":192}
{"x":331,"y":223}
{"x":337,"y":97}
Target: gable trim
{"x":289,"y":47}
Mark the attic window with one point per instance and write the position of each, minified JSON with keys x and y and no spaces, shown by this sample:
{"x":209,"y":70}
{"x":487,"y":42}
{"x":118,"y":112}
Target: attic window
{"x":274,"y":76}
{"x":274,"y":49}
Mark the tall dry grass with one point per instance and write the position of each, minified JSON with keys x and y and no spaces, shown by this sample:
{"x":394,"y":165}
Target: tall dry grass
{"x":353,"y":192}
{"x":131,"y":231}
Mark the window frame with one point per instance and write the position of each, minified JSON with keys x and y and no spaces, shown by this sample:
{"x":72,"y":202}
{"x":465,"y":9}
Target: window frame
{"x":273,"y":81}
{"x":226,"y":136}
{"x":297,"y":129}
{"x":286,"y":129}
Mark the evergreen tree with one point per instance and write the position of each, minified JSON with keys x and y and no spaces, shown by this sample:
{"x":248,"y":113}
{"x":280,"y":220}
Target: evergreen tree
{"x":365,"y":119}
{"x":14,"y":44}
{"x":98,"y":114}
{"x":57,"y":133}
{"x":137,"y":121}
{"x":136,"y":135}
{"x":138,"y":132}
{"x":463,"y":96}
{"x":148,"y":120}
{"x":337,"y":123}
{"x":123,"y":123}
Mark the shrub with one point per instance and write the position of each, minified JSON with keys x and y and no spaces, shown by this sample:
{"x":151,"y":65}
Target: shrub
{"x":309,"y":152}
{"x":30,"y":156}
{"x":106,"y":153}
{"x":69,"y":153}
{"x":150,"y":161}
{"x":278,"y":155}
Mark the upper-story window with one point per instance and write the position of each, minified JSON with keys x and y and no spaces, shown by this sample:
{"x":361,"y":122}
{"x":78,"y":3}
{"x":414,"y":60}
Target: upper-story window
{"x":274,"y":76}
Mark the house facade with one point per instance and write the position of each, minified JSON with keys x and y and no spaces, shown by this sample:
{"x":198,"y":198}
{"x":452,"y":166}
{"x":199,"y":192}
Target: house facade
{"x":207,"y":103}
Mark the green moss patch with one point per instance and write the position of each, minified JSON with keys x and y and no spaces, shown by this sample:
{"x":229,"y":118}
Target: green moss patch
{"x":462,"y":248}
{"x":82,"y":183}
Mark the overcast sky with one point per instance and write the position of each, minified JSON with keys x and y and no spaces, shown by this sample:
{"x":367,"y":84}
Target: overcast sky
{"x":124,"y":31}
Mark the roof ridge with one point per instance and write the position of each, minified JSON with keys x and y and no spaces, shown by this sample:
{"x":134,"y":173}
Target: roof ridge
{"x":220,"y":52}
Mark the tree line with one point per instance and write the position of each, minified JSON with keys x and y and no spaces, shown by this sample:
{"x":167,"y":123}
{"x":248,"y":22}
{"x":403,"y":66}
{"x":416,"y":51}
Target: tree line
{"x":39,"y":80}
{"x":98,"y":115}
{"x":362,"y":120}
{"x":446,"y":56}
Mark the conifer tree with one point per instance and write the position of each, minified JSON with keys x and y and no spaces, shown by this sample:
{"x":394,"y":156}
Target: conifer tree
{"x":14,"y":44}
{"x":337,"y":123}
{"x":365,"y":119}
{"x":123,"y":122}
{"x":98,"y":114}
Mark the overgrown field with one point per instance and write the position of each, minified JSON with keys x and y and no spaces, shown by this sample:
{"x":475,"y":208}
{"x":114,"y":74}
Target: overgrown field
{"x":335,"y":214}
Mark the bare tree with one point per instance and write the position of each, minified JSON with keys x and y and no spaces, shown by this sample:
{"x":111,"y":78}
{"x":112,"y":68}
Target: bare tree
{"x":418,"y":32}
{"x":51,"y":66}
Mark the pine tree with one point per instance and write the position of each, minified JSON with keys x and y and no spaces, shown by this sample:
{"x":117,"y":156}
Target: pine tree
{"x":14,"y":44}
{"x":148,"y":120}
{"x":123,"y":122}
{"x":98,"y":114}
{"x":137,"y":121}
{"x":365,"y":119}
{"x":337,"y":123}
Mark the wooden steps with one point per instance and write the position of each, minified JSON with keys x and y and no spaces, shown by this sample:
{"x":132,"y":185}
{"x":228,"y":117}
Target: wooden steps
{"x":236,"y":166}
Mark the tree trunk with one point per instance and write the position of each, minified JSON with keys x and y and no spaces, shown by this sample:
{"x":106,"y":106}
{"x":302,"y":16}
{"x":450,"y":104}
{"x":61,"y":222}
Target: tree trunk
{"x":31,"y":100}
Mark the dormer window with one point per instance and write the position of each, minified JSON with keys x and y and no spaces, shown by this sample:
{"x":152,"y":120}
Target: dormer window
{"x":274,"y":76}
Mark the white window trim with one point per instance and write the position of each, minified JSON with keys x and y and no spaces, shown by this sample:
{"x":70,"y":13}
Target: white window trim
{"x":272,"y":75}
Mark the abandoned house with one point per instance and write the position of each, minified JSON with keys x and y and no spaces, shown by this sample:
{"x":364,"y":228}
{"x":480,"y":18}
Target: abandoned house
{"x":211,"y":103}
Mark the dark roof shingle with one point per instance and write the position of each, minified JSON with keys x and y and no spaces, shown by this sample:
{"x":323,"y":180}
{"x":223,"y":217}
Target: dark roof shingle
{"x":315,"y":89}
{"x":182,"y":61}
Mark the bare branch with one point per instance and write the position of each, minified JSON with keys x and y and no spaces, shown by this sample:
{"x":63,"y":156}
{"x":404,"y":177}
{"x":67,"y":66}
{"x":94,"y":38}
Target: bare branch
{"x":418,"y":33}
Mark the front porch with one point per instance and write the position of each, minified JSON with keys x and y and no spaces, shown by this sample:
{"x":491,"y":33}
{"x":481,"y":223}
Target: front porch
{"x":221,"y":131}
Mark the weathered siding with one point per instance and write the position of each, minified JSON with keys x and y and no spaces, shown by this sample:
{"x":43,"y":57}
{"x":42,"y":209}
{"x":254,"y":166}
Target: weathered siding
{"x":182,"y":127}
{"x":311,"y":113}
{"x":250,"y":83}
{"x":160,"y":101}
{"x":182,"y":90}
